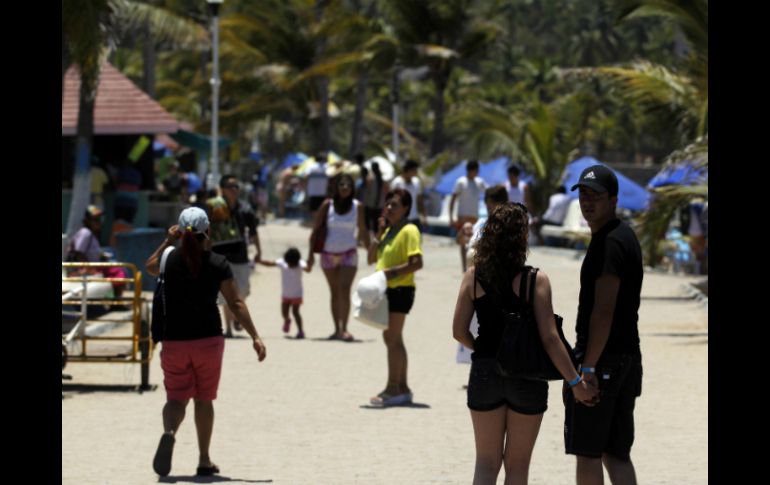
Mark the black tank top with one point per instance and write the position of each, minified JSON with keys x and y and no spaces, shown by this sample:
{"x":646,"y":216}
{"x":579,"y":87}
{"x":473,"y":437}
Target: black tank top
{"x":489,"y":312}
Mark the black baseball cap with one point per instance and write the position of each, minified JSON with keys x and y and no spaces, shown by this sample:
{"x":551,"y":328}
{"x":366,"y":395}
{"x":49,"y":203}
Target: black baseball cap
{"x":600,"y":179}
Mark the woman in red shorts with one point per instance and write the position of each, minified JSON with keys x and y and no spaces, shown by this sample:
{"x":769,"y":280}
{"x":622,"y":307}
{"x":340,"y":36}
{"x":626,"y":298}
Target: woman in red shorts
{"x":193,"y":345}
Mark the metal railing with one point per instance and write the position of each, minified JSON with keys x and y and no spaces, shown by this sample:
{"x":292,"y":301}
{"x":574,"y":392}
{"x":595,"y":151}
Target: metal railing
{"x":73,"y":294}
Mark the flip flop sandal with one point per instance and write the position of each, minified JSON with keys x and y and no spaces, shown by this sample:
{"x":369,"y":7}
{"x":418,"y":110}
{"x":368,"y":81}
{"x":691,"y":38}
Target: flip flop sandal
{"x":204,"y":471}
{"x":162,"y":461}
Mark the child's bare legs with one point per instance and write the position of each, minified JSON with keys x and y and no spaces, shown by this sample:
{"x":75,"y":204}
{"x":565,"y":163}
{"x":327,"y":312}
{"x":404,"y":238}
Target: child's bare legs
{"x":298,"y":319}
{"x":286,"y":318}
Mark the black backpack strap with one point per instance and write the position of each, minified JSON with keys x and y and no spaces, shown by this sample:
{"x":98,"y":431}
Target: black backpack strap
{"x":523,"y":283}
{"x":533,"y":281}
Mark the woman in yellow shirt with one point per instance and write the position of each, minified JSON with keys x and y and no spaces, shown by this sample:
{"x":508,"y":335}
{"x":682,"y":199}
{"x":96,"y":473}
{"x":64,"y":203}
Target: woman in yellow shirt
{"x":396,"y":249}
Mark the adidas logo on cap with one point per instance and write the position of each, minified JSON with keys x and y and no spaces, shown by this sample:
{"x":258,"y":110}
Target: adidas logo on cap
{"x":590,"y":175}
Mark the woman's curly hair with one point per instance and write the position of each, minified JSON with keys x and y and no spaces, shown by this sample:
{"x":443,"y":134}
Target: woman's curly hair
{"x":501,"y":251}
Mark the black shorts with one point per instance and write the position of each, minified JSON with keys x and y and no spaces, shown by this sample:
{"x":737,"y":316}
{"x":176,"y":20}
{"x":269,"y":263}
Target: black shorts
{"x":488,"y":390}
{"x":607,"y":427}
{"x":400,"y":299}
{"x":315,"y":202}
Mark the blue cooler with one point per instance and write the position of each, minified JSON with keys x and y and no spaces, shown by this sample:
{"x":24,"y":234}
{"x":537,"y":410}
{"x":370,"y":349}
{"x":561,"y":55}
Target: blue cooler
{"x":136,"y":246}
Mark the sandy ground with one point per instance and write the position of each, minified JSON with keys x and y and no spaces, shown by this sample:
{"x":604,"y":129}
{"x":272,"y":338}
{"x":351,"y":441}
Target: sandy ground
{"x":302,"y":415}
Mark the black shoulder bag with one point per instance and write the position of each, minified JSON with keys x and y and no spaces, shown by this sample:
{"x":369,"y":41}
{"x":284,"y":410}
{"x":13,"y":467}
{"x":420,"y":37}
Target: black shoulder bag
{"x":158,"y":325}
{"x":521,"y":352}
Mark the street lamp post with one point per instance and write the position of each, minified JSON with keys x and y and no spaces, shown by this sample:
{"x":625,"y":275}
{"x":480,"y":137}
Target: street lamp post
{"x":214,"y":156}
{"x":394,"y":98}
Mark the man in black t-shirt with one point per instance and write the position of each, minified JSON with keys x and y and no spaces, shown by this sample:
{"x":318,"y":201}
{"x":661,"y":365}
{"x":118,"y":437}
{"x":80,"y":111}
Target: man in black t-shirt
{"x":230,"y":219}
{"x":607,"y":337}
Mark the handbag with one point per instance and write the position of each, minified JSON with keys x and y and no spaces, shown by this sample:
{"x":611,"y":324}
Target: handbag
{"x":158,"y":326}
{"x":521,"y":352}
{"x":319,"y":235}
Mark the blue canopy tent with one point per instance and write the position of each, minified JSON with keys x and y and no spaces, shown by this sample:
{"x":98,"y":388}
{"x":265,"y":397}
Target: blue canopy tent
{"x":291,"y":159}
{"x":683,"y":173}
{"x":631,"y":195}
{"x":493,"y":172}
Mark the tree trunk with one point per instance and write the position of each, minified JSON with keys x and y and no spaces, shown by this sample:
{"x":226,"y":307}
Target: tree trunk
{"x":325,"y":133}
{"x":437,"y":142}
{"x":356,"y":142}
{"x":270,"y":150}
{"x":148,"y":60}
{"x":81,"y":184}
{"x":322,"y":83}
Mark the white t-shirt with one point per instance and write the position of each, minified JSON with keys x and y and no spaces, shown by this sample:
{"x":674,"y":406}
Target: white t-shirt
{"x":557,"y":208}
{"x":469,"y":192}
{"x":317,"y":180}
{"x":291,"y":278}
{"x":414,"y":187}
{"x":515,"y":193}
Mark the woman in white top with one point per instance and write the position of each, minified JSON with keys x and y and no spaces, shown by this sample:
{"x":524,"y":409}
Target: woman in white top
{"x":341,"y":215}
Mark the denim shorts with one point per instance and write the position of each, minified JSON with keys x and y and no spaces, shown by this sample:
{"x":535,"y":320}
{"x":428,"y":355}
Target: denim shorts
{"x":488,"y":390}
{"x":607,"y":427}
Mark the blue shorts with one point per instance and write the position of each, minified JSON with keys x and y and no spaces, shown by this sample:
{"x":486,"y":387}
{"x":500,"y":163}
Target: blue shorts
{"x":488,"y":390}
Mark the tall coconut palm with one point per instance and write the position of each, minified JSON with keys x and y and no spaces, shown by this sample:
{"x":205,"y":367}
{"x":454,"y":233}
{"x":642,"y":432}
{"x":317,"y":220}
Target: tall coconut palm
{"x":90,"y":29}
{"x":542,"y":136}
{"x":680,"y":94}
{"x":439,"y":33}
{"x":285,"y":53}
{"x":85,"y":26}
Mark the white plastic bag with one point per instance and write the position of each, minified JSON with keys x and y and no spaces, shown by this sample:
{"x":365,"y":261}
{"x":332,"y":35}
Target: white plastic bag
{"x":370,"y":305}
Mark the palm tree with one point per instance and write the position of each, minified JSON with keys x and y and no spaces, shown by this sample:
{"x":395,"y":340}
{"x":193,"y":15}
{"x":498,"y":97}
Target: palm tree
{"x":90,"y":29}
{"x":85,"y":27}
{"x":679,"y":94}
{"x":284,"y":56}
{"x":439,"y":33}
{"x":542,"y":136}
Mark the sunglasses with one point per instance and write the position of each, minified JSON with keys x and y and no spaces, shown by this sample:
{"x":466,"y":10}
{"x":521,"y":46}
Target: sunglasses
{"x":232,"y":186}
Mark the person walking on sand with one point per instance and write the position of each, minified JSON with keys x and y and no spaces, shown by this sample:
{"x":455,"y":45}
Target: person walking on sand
{"x":192,"y":344}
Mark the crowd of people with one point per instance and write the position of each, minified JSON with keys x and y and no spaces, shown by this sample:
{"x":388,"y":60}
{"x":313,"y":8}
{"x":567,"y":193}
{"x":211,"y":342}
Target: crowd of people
{"x":212,"y":266}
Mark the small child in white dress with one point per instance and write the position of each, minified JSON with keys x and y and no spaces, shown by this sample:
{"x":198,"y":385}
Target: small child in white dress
{"x":291,"y":287}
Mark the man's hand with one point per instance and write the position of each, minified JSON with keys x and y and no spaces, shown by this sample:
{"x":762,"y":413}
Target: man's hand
{"x":591,"y":379}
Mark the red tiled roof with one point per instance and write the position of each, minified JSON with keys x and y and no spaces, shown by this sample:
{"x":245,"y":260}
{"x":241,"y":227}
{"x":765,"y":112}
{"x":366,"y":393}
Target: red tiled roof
{"x":121,"y":107}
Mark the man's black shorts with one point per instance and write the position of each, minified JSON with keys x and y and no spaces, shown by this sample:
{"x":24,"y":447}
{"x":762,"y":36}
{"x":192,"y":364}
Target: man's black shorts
{"x":488,"y":390}
{"x":400,"y":299}
{"x":607,"y":427}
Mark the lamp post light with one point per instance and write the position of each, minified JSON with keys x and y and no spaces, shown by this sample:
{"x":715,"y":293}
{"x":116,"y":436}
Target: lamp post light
{"x":214,"y":155}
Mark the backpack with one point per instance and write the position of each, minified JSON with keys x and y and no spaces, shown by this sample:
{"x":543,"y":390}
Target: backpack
{"x":158,"y":326}
{"x":521,"y":352}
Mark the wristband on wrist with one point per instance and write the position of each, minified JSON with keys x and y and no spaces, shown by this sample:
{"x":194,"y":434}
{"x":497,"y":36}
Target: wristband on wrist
{"x":588,"y":370}
{"x":574,"y":382}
